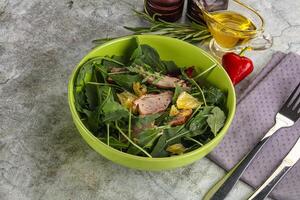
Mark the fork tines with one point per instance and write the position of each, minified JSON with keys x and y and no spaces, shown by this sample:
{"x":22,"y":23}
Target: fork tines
{"x":291,"y":108}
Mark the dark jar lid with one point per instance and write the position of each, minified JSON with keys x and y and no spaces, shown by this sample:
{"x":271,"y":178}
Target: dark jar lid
{"x":166,"y":2}
{"x":170,"y":17}
{"x":163,"y":9}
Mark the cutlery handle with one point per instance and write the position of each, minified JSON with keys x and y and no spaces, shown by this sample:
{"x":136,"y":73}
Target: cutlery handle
{"x":223,"y":187}
{"x":264,"y":190}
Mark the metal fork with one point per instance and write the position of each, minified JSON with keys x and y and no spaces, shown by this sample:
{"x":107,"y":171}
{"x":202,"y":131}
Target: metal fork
{"x":286,"y":117}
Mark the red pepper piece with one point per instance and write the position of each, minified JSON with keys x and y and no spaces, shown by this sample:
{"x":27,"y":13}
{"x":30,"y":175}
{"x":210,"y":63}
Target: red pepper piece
{"x":237,"y":66}
{"x":189,"y":71}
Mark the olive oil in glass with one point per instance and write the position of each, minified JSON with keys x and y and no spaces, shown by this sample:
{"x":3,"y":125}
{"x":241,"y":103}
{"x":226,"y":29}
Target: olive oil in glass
{"x":229,"y":28}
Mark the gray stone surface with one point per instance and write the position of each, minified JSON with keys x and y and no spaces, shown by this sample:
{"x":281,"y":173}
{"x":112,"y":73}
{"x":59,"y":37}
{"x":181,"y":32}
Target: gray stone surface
{"x":41,"y":154}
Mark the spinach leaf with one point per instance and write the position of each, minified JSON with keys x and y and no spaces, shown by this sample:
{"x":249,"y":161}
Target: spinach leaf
{"x":80,"y":101}
{"x":113,"y":142}
{"x":151,"y":57}
{"x":125,"y":80}
{"x":121,"y":59}
{"x":146,"y":55}
{"x":84,"y":75}
{"x":112,"y":110}
{"x":170,"y":136}
{"x":175,"y":134}
{"x":91,"y":96}
{"x":216,"y":120}
{"x":162,"y":118}
{"x":198,"y":123}
{"x":148,"y":136}
{"x":159,"y":148}
{"x":86,"y":72}
{"x":178,"y":91}
{"x":102,"y":71}
{"x":171,"y":67}
{"x":109,"y":63}
{"x":136,"y":54}
{"x":145,"y":140}
{"x":92,"y":121}
{"x":144,"y":121}
{"x":214,"y":96}
{"x":153,"y":89}
{"x":191,"y":148}
{"x":105,"y":94}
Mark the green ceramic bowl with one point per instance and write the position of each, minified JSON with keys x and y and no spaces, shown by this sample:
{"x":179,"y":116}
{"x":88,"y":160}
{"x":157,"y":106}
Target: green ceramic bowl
{"x":184,"y":54}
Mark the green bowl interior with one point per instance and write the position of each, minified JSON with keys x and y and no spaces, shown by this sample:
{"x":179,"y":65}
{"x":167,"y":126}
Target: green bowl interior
{"x":183,"y":54}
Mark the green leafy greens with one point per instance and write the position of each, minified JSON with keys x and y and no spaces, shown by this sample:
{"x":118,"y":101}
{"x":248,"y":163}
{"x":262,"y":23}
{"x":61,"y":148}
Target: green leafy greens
{"x":118,"y":123}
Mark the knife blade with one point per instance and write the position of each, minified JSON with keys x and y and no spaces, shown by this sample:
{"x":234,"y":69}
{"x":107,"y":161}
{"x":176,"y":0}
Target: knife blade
{"x":294,"y":154}
{"x":288,"y":162}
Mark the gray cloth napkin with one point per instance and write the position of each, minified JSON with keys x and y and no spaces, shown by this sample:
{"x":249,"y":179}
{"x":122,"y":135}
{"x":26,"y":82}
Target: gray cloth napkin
{"x":257,"y":106}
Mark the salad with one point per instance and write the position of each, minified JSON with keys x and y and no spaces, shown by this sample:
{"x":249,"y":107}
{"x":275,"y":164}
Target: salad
{"x":142,"y":105}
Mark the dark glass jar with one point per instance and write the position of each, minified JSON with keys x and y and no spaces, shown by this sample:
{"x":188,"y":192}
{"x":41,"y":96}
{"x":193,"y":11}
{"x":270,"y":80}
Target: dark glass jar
{"x":194,"y":13}
{"x":167,"y":10}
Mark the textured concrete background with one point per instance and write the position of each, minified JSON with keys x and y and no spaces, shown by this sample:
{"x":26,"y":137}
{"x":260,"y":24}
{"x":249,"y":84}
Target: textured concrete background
{"x":41,"y":154}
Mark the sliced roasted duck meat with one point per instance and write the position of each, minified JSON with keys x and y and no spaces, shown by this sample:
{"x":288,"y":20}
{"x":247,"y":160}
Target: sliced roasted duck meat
{"x":167,"y":82}
{"x":153,"y":103}
{"x":181,"y":118}
{"x":118,"y":69}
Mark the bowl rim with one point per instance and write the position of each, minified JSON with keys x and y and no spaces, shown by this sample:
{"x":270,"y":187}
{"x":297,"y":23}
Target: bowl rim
{"x":206,"y":146}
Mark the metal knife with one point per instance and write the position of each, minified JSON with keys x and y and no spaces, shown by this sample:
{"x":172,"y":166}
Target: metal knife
{"x":288,"y":162}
